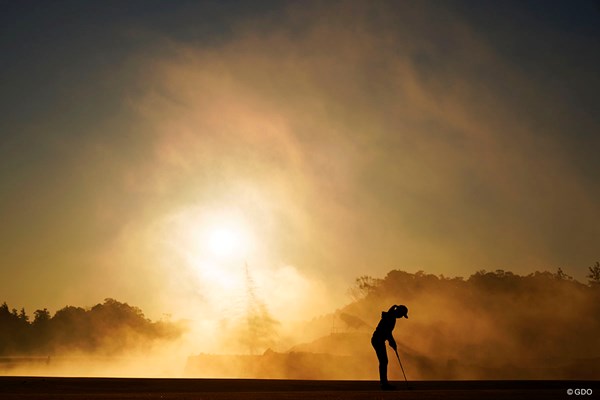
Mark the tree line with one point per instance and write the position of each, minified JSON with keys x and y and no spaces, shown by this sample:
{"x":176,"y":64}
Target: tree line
{"x":106,"y":328}
{"x":365,"y":285}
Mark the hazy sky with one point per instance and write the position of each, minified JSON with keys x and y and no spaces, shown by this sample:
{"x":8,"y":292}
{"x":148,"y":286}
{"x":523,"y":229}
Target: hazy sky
{"x":149,"y":149}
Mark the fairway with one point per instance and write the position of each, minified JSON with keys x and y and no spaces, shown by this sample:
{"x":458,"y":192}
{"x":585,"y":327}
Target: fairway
{"x":206,"y":389}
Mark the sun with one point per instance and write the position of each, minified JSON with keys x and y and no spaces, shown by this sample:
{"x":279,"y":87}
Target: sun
{"x":225,"y":242}
{"x":212,"y":237}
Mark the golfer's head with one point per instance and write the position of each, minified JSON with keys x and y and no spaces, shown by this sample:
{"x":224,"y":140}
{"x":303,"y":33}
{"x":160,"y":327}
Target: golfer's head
{"x":401,"y":311}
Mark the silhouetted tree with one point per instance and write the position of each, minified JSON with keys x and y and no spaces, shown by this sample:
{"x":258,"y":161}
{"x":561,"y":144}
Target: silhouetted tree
{"x":23,"y":315}
{"x":594,"y":274}
{"x":363,"y":285}
{"x":13,"y":330}
{"x":71,"y":327}
{"x":41,"y":316}
{"x":261,"y":328}
{"x":561,"y":275}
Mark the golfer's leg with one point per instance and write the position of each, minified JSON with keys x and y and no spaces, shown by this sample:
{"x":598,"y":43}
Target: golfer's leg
{"x":383,"y":363}
{"x":383,"y":360}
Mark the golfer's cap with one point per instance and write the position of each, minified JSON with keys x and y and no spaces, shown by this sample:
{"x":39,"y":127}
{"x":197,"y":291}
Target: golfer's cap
{"x":402,"y":311}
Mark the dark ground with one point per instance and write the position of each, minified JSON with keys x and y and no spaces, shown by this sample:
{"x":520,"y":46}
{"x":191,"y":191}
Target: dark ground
{"x":206,"y":389}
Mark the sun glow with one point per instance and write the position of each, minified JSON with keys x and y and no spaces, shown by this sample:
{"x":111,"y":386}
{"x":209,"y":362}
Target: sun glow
{"x":226,"y":242}
{"x":212,"y":247}
{"x":210,"y":236}
{"x":224,"y":237}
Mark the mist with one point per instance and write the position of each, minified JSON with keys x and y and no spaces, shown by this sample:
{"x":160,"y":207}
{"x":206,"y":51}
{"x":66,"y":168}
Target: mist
{"x":493,"y":325}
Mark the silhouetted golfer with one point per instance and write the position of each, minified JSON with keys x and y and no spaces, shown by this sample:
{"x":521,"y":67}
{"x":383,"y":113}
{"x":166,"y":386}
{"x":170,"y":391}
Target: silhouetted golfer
{"x":382,"y":333}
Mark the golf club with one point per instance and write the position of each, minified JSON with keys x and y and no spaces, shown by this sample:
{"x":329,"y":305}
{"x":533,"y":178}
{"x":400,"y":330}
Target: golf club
{"x":397,"y":356}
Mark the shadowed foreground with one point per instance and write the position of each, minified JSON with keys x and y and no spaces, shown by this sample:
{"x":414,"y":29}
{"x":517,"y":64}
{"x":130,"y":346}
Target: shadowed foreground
{"x":138,"y":388}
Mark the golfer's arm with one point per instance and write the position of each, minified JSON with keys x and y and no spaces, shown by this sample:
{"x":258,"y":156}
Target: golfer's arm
{"x":390,"y":339}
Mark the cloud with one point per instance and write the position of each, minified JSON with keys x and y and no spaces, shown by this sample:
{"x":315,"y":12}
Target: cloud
{"x":352,"y":138}
{"x":392,"y":124}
